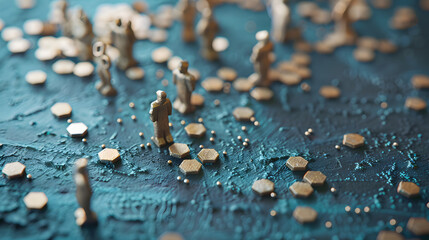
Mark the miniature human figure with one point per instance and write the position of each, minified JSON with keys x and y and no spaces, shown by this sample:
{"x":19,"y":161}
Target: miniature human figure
{"x":343,"y":21}
{"x":60,"y":15}
{"x":261,"y":58}
{"x":207,"y":29}
{"x":185,"y":84}
{"x":280,"y":18}
{"x":159,"y":112}
{"x":83,"y":35}
{"x":104,"y":86}
{"x":84,"y":215}
{"x":187,"y":12}
{"x":123,"y":38}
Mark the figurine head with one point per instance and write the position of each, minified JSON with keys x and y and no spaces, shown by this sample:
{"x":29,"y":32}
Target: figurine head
{"x":207,"y":12}
{"x":99,"y":49}
{"x":161,"y":96}
{"x":105,"y":61}
{"x":80,"y":165}
{"x":81,"y":14}
{"x":262,"y":36}
{"x":183,"y":67}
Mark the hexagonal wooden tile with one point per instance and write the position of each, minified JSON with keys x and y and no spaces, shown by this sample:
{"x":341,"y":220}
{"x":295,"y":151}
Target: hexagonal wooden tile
{"x":77,"y":130}
{"x":263,"y":187}
{"x":353,"y":140}
{"x":304,"y":214}
{"x":408,"y":189}
{"x":261,"y":94}
{"x":190,"y":166}
{"x":315,"y":178}
{"x":208,"y":155}
{"x":197,"y":99}
{"x":14,"y":170}
{"x":301,"y":189}
{"x":243,"y":113}
{"x":109,"y":155}
{"x":35,"y":200}
{"x":297,"y":163}
{"x":61,"y":110}
{"x":415,"y":103}
{"x":212,"y":84}
{"x":389,"y":235}
{"x":419,"y":226}
{"x":179,"y":150}
{"x":195,"y":130}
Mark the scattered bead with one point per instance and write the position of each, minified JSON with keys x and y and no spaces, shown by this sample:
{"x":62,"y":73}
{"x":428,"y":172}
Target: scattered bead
{"x":310,"y":130}
{"x":186,"y":181}
{"x":392,"y":222}
{"x":201,"y":146}
{"x":239,"y":138}
{"x":200,"y":120}
{"x":328,"y":224}
{"x":246,"y":140}
{"x":245,"y":144}
{"x":183,"y":122}
{"x":273,"y":213}
{"x":149,"y":145}
{"x":131,"y":105}
{"x":252,"y":119}
{"x":29,"y":176}
{"x":84,"y":140}
{"x":366,"y":209}
{"x":170,"y":124}
{"x":69,"y":120}
{"x":169,"y":162}
{"x":256,"y":123}
{"x":307,"y":133}
{"x":383,"y":105}
{"x":357,"y":210}
{"x":103,"y":145}
{"x":141,"y":134}
{"x":213,"y":132}
{"x":119,"y":120}
{"x":225,"y":153}
{"x":273,"y":194}
{"x":218,"y":183}
{"x":133,"y":117}
{"x":212,"y":139}
{"x":142,"y":145}
{"x":179,"y":178}
{"x":395,"y":144}
{"x":347,"y":208}
{"x":337,"y":147}
{"x":333,"y":190}
{"x":243,"y":128}
{"x":398,"y":229}
{"x":216,"y":102}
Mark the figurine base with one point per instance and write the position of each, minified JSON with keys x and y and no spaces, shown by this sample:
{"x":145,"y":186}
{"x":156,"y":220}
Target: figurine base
{"x":256,"y":81}
{"x":210,"y":55}
{"x":107,"y":91}
{"x":183,"y":108}
{"x":83,"y":220}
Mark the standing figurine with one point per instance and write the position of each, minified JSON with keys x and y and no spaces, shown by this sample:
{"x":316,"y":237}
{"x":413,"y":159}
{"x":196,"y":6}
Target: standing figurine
{"x":104,"y":86}
{"x":185,"y":84}
{"x":261,"y":58}
{"x":280,"y":19}
{"x":123,"y":38}
{"x":84,"y":215}
{"x":159,"y":112}
{"x":343,"y":22}
{"x":187,"y":11}
{"x":207,"y":29}
{"x":83,"y":35}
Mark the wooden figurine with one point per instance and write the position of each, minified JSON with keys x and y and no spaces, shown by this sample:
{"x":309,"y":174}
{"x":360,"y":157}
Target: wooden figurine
{"x":187,"y":11}
{"x":83,"y":35}
{"x":84,"y":215}
{"x":261,"y":58}
{"x":207,"y":28}
{"x":159,"y":112}
{"x":123,"y":38}
{"x":185,"y":84}
{"x":280,"y":19}
{"x":60,"y":15}
{"x":343,"y":22}
{"x":104,"y":86}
